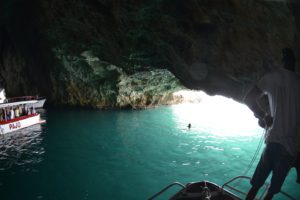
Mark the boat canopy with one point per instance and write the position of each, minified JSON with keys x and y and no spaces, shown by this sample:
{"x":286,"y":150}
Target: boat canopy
{"x":4,"y":105}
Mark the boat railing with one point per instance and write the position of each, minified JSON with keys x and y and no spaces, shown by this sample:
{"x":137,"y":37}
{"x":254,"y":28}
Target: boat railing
{"x":266,"y":185}
{"x":22,"y":98}
{"x":165,"y":189}
{"x":227,"y":188}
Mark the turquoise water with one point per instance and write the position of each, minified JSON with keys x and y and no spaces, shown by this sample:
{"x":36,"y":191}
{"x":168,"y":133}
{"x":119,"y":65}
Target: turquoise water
{"x":128,"y":155}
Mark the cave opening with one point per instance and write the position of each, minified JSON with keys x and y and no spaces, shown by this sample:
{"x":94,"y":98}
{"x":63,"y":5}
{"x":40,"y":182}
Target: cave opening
{"x":217,"y":115}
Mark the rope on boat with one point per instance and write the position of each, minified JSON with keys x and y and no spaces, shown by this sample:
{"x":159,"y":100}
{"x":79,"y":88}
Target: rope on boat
{"x":255,"y":155}
{"x":206,"y":194}
{"x":256,"y":152}
{"x":166,"y":188}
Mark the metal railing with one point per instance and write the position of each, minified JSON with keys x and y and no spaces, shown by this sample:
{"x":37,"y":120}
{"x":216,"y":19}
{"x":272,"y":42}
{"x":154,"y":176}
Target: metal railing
{"x":165,"y":189}
{"x":227,"y":186}
{"x":266,"y":185}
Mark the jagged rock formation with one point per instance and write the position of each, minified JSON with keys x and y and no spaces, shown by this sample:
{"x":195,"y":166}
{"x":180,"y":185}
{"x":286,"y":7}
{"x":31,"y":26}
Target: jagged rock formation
{"x":78,"y":52}
{"x":148,"y":89}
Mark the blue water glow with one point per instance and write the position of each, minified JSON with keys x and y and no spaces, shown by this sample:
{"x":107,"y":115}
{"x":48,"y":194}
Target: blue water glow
{"x":124,"y":154}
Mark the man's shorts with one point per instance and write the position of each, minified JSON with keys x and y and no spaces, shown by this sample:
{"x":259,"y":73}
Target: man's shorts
{"x":273,"y":159}
{"x":297,"y":166}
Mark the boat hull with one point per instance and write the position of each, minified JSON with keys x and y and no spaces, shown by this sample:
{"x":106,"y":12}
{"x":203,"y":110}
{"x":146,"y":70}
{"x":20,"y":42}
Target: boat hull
{"x":20,"y":123}
{"x":40,"y":103}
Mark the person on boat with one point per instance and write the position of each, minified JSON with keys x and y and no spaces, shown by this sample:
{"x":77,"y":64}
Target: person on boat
{"x":21,"y":110}
{"x":17,"y":114}
{"x":2,"y":118}
{"x":12,"y":113}
{"x":282,"y":87}
{"x":25,"y":110}
{"x":7,"y":114}
{"x":33,"y":110}
{"x":28,"y":111}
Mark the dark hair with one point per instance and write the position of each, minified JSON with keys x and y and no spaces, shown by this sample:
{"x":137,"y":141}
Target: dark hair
{"x":288,"y":59}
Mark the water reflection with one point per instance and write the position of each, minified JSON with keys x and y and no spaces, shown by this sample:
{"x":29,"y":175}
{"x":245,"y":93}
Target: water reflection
{"x":21,"y":147}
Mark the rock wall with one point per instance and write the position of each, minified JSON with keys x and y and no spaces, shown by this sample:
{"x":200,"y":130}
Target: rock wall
{"x":148,"y":89}
{"x":226,"y":44}
{"x":77,"y":52}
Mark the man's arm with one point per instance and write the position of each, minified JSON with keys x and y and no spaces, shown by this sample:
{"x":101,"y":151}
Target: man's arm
{"x":252,"y":99}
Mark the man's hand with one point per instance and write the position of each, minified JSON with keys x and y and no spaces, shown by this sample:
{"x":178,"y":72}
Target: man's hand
{"x":266,"y":122}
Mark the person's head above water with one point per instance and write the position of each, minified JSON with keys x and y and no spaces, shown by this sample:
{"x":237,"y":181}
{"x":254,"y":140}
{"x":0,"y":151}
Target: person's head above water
{"x":189,"y":125}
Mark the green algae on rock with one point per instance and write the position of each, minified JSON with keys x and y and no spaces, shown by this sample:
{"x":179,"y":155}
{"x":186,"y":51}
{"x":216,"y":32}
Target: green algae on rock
{"x":148,"y":89}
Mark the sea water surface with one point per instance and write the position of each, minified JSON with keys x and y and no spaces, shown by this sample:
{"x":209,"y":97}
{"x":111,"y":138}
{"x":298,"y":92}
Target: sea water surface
{"x":129,"y":154}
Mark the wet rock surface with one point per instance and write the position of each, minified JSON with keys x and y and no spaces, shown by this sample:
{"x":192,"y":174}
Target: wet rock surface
{"x":103,"y":53}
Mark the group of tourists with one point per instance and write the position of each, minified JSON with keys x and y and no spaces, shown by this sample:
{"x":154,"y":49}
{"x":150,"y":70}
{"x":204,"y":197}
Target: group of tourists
{"x":15,"y":112}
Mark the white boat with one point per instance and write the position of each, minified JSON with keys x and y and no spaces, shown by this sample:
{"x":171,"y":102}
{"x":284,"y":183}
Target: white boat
{"x":40,"y":101}
{"x":17,"y":115}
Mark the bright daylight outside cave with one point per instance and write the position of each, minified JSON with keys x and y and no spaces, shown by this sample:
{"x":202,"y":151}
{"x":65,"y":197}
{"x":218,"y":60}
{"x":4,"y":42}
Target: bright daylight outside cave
{"x":149,"y":99}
